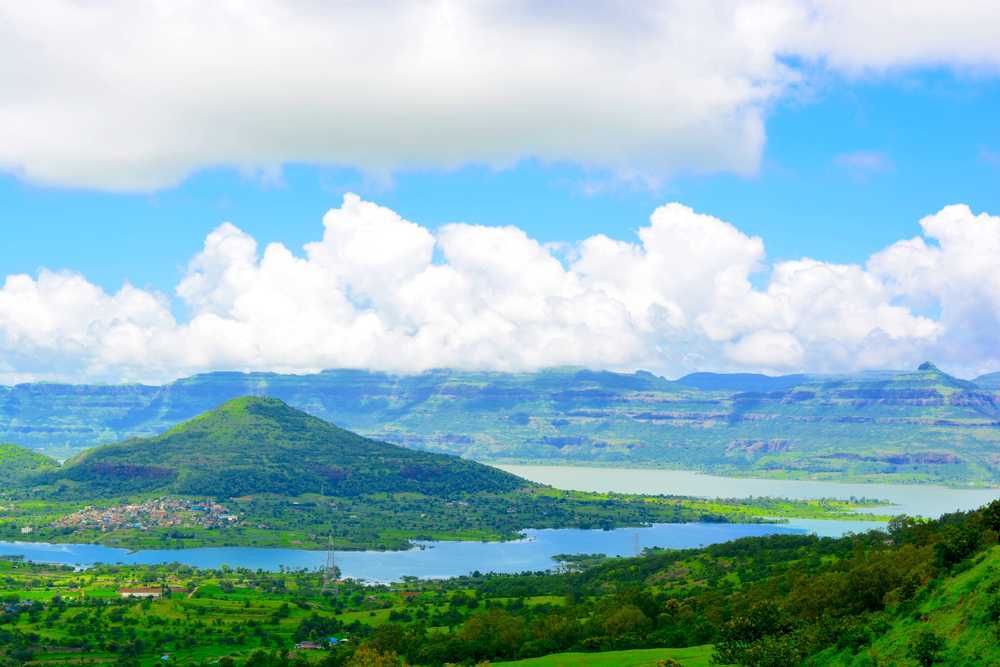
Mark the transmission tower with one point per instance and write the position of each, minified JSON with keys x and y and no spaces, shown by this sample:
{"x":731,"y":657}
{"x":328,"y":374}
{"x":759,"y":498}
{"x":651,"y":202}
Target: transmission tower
{"x":330,"y":584}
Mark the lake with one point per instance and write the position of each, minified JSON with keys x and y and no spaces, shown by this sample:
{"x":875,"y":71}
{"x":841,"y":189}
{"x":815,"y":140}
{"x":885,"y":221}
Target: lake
{"x":535,"y":551}
{"x":434,"y":559}
{"x":914,"y":499}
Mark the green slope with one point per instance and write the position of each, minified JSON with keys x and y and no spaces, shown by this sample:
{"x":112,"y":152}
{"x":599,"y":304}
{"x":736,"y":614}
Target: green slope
{"x":692,"y":656}
{"x":17,"y":463}
{"x":963,"y":610}
{"x":259,"y":445}
{"x":902,"y":426}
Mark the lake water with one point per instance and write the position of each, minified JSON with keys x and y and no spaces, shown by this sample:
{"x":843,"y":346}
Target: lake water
{"x":434,"y":559}
{"x":535,"y":551}
{"x":914,"y":499}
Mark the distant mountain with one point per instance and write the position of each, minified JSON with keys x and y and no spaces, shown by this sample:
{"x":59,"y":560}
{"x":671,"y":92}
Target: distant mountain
{"x":18,"y":463}
{"x":255,"y":445}
{"x":988,"y":381}
{"x":918,"y":425}
{"x":740,"y":381}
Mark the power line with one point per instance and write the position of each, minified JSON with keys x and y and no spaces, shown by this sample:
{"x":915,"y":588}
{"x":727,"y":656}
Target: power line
{"x":330,"y":581}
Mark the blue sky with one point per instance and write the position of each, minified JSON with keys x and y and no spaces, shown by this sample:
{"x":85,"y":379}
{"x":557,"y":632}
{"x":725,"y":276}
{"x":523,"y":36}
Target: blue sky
{"x":937,"y":131}
{"x":745,"y":185}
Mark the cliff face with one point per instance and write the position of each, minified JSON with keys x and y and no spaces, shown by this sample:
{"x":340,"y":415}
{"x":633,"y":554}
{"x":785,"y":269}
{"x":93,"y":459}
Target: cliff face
{"x":919,"y":425}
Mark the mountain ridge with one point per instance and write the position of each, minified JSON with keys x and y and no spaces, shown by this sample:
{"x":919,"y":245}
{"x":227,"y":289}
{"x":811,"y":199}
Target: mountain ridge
{"x":252,"y":445}
{"x":906,"y":426}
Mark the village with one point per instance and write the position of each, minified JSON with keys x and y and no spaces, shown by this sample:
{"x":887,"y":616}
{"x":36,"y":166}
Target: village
{"x":156,"y":513}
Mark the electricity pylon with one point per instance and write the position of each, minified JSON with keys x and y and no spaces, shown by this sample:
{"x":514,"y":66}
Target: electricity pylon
{"x":330,"y":584}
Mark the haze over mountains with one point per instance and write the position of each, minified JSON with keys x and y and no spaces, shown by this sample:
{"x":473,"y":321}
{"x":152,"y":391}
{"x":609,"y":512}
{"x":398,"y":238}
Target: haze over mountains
{"x":910,"y":425}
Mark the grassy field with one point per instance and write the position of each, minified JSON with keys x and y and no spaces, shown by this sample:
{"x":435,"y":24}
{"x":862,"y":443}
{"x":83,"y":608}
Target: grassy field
{"x":692,"y":656}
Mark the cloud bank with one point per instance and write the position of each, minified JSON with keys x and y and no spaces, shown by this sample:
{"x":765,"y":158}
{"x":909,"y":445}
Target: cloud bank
{"x":131,"y":95}
{"x":381,"y":292}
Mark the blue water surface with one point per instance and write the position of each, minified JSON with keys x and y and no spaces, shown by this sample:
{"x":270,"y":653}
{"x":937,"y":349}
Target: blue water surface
{"x":436,"y":559}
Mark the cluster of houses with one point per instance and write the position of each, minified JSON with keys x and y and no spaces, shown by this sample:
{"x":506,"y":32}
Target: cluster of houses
{"x":158,"y":513}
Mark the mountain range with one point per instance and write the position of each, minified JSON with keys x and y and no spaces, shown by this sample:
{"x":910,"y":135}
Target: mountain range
{"x":920,"y":425}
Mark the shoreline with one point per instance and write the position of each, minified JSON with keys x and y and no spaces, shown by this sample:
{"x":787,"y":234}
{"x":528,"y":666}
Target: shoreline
{"x":633,"y":466}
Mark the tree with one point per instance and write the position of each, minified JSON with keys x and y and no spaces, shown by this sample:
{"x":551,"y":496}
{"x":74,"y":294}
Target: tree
{"x":492,"y":633}
{"x":925,"y":647}
{"x":991,"y":516}
{"x":743,"y":637}
{"x":369,"y":656}
{"x":957,"y":543}
{"x":628,"y":620}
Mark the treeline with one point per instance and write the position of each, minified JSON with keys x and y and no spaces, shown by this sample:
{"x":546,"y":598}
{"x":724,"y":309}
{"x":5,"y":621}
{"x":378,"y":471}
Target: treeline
{"x":768,"y":601}
{"x":772,"y":601}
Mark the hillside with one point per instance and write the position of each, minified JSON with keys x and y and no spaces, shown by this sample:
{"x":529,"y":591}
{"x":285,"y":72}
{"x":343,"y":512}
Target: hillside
{"x":988,"y":381}
{"x":908,"y":426}
{"x":963,"y":610}
{"x":280,"y":477}
{"x":17,"y":463}
{"x":259,"y":445}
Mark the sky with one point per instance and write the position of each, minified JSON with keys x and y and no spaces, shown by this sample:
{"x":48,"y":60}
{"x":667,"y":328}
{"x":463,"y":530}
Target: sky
{"x":768,"y":186}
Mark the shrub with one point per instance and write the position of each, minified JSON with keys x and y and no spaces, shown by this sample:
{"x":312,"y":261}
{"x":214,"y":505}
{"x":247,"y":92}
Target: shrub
{"x":925,"y":647}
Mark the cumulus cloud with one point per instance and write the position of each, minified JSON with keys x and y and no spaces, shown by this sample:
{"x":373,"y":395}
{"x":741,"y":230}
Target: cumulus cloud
{"x":125,"y":95}
{"x":381,"y":292}
{"x":953,"y":266}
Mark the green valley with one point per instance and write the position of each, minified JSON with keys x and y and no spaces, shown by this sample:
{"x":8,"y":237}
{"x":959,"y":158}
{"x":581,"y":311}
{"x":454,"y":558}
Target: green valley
{"x":256,"y":472}
{"x":925,"y":593}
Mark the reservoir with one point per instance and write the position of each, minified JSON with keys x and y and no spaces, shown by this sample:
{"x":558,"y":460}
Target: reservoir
{"x":925,"y":500}
{"x":536,"y":550}
{"x":435,"y":559}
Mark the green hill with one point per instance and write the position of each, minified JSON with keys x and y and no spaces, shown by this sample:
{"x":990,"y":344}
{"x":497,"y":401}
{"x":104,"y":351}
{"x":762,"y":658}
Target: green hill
{"x":901,"y":426}
{"x":261,"y":445}
{"x":962,"y":610}
{"x":17,"y":463}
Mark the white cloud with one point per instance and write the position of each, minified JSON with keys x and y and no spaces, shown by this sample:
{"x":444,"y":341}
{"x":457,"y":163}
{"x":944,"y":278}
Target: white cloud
{"x":955,"y":267}
{"x":136,"y":95}
{"x":863,"y":37}
{"x":770,"y":349}
{"x":370,"y":294}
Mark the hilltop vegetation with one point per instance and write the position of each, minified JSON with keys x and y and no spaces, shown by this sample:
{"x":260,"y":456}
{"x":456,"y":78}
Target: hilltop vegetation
{"x":19,"y":463}
{"x":915,"y":426}
{"x":925,"y":593}
{"x":250,"y":446}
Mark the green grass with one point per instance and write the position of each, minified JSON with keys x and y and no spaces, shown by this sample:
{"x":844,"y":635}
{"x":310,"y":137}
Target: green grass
{"x":957,"y":609}
{"x":692,"y":656}
{"x":16,"y":462}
